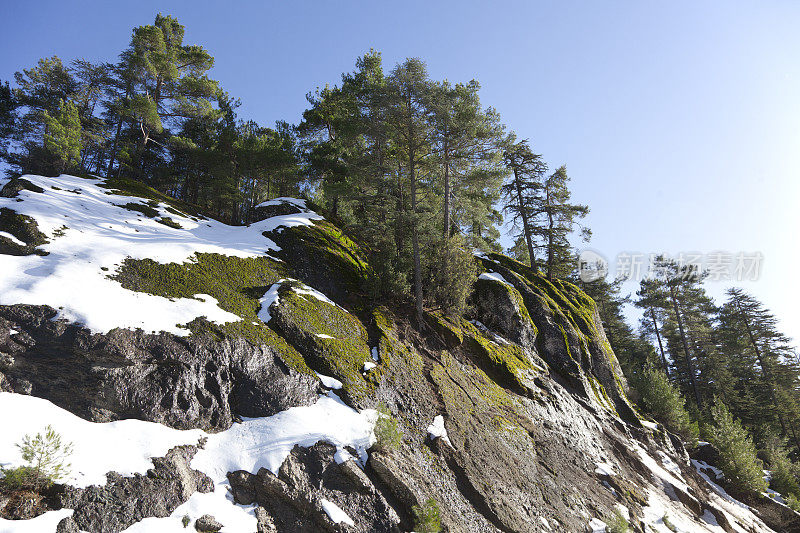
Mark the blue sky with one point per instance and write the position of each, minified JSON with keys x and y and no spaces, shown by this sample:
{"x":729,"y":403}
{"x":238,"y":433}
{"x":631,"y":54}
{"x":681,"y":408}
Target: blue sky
{"x":679,"y":122}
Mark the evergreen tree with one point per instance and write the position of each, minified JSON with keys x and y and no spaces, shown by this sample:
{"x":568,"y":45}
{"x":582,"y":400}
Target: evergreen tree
{"x":169,"y":82}
{"x":522,"y":192}
{"x":559,"y":219}
{"x":62,"y":139}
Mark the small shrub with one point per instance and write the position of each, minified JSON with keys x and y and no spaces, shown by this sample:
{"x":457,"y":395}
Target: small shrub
{"x":47,"y":456}
{"x":185,"y":521}
{"x":387,"y":430}
{"x":793,"y":502}
{"x":663,"y":400}
{"x":669,"y":525}
{"x":426,"y":517}
{"x":738,"y":460}
{"x":617,"y":523}
{"x":14,"y":479}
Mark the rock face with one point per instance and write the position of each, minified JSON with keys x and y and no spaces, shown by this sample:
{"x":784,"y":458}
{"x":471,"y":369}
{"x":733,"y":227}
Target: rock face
{"x":295,"y":500}
{"x":199,"y":382}
{"x":123,"y":501}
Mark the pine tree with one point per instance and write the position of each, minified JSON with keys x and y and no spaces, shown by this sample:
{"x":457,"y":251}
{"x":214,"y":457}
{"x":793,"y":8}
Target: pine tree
{"x":62,"y":139}
{"x":168,"y":78}
{"x":522,"y":192}
{"x":559,"y":219}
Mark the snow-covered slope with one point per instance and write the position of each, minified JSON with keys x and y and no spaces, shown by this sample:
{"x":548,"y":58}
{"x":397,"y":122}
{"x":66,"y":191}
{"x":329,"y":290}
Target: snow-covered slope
{"x":91,"y":231}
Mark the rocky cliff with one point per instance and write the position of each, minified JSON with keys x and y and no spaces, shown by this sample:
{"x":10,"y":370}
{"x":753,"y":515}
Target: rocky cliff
{"x":258,"y":368}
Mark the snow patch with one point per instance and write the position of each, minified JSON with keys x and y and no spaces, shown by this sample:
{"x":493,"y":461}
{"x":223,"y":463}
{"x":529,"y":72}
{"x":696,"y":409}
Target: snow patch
{"x":12,"y":238}
{"x":369,"y":365}
{"x":437,"y":430}
{"x":335,"y":513}
{"x":329,"y":382}
{"x":269,"y":299}
{"x":494,"y":276}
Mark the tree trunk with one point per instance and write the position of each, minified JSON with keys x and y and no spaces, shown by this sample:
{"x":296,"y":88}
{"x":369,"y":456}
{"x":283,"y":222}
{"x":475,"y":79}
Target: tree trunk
{"x":446,"y":191}
{"x":550,"y":251}
{"x":660,"y":346}
{"x":415,"y":237}
{"x":765,"y":370}
{"x":522,"y":210}
{"x":689,"y":363}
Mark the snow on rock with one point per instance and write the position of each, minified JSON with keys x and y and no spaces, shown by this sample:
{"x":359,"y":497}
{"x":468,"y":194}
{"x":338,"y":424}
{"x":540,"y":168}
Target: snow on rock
{"x":266,"y":442}
{"x":335,"y":513}
{"x":124,"y":446}
{"x":369,"y":365}
{"x":44,"y":522}
{"x":597,"y":526}
{"x":330,"y":382}
{"x":269,"y":299}
{"x":90,"y":231}
{"x":127,"y":446}
{"x":604,"y":469}
{"x":374,"y":353}
{"x":309,"y":291}
{"x":297,"y":202}
{"x":494,"y":276}
{"x":437,"y":430}
{"x":11,"y":238}
{"x":219,"y":504}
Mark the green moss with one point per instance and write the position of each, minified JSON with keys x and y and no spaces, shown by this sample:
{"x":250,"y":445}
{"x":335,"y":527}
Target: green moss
{"x":144,"y":209}
{"x":323,"y":247}
{"x":237,"y":284}
{"x":506,"y":363}
{"x":131,"y":187}
{"x":167,"y":221}
{"x":23,"y":228}
{"x":333,"y":341}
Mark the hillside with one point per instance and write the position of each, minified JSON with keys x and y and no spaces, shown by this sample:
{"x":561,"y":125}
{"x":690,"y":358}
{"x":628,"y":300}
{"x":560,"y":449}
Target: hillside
{"x":242,"y":372}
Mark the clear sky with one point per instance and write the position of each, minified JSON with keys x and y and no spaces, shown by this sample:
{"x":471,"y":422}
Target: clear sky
{"x":679,"y":122}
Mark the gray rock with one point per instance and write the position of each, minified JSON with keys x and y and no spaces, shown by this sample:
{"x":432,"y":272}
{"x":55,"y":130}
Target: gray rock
{"x":184,"y":383}
{"x":207,"y":524}
{"x":123,"y":501}
{"x":292,"y":499}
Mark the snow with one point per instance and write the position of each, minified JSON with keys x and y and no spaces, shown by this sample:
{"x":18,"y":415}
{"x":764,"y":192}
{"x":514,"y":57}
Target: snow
{"x":323,"y":336}
{"x":329,"y":382}
{"x":218,"y":504}
{"x":495,"y":337}
{"x":306,"y":290}
{"x":265,"y":442}
{"x":494,"y":276}
{"x":45,"y":522}
{"x":374,"y":353}
{"x":269,"y":299}
{"x":597,"y":526}
{"x":297,"y":202}
{"x":369,"y":365}
{"x":335,"y":513}
{"x":89,"y":230}
{"x":604,"y":469}
{"x":437,"y":430}
{"x":127,"y":446}
{"x":648,"y":424}
{"x":124,"y":446}
{"x":11,"y":238}
{"x":12,"y":331}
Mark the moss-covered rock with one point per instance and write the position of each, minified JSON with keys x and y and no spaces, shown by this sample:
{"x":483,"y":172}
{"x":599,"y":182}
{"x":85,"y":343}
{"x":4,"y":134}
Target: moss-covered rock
{"x":333,"y":341}
{"x":325,"y":258}
{"x":570,"y":336}
{"x":24,"y":229}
